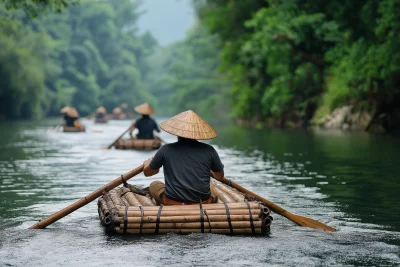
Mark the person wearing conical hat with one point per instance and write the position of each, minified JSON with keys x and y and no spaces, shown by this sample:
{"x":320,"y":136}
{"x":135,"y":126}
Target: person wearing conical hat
{"x":100,"y":116}
{"x":72,"y":116}
{"x":118,"y":113}
{"x":145,"y":124}
{"x":187,"y":163}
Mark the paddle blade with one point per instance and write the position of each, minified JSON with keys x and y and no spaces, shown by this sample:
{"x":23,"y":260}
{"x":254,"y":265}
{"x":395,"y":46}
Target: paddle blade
{"x":308,"y":222}
{"x":299,"y":220}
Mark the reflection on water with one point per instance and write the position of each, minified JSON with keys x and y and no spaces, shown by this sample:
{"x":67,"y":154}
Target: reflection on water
{"x":347,"y":180}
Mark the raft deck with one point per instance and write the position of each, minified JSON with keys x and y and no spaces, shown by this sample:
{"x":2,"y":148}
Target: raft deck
{"x":138,"y":144}
{"x":125,"y":211}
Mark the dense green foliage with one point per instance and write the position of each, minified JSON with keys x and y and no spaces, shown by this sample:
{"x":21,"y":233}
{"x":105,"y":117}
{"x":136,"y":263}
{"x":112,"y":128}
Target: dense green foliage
{"x":287,"y":58}
{"x":33,"y":8}
{"x":90,"y":54}
{"x":280,"y":61}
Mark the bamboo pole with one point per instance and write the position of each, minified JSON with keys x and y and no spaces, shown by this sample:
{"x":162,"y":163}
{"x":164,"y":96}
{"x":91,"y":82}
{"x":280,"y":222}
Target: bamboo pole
{"x":116,"y":199}
{"x":236,"y":205}
{"x":222,"y":195}
{"x":103,"y":206}
{"x":89,"y":198}
{"x":194,"y":225}
{"x":144,"y":200}
{"x":232,"y":192}
{"x":101,"y":216}
{"x":254,"y":212}
{"x":190,"y":218}
{"x":132,"y":200}
{"x":237,"y":231}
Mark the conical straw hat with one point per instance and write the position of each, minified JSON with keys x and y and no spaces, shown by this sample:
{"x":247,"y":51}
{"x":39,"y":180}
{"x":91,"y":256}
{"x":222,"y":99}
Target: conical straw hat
{"x":144,"y":109}
{"x":65,"y":109}
{"x":117,"y":110}
{"x":101,"y":110}
{"x":73,"y":113}
{"x":189,"y":125}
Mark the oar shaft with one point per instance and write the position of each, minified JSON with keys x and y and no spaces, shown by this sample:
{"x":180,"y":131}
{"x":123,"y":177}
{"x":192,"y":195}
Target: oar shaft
{"x":275,"y":208}
{"x":119,"y":137}
{"x":86,"y":200}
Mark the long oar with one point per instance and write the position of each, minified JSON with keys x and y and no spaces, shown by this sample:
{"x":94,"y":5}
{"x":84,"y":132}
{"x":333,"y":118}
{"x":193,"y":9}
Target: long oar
{"x":300,"y":220}
{"x":119,"y":137}
{"x":86,"y":200}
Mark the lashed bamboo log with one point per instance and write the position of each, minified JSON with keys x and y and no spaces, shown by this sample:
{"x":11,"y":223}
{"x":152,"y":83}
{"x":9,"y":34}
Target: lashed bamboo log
{"x":121,"y":212}
{"x":108,"y":219}
{"x":116,"y":200}
{"x":222,"y":195}
{"x":101,"y":216}
{"x":191,"y":218}
{"x":188,"y":231}
{"x":194,"y":225}
{"x":132,"y":200}
{"x":103,"y":206}
{"x":144,"y":200}
{"x":233,"y":193}
{"x":237,"y":205}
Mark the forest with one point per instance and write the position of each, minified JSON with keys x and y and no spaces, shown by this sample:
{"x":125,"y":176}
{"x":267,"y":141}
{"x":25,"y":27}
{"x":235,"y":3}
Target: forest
{"x":285,"y":63}
{"x":86,"y":55}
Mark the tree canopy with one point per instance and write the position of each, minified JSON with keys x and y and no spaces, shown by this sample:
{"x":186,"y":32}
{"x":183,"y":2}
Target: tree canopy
{"x":89,"y":54}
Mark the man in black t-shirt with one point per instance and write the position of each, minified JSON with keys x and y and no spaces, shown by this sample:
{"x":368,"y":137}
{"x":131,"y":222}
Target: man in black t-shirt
{"x":145,"y":124}
{"x":187,"y":163}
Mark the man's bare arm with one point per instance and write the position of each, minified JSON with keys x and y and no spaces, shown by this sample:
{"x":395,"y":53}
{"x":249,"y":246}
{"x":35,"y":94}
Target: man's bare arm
{"x":147,"y":171}
{"x":218,"y":175}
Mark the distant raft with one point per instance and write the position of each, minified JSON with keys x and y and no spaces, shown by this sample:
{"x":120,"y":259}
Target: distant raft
{"x":129,"y":210}
{"x":138,"y":144}
{"x":100,"y":120}
{"x":67,"y":129}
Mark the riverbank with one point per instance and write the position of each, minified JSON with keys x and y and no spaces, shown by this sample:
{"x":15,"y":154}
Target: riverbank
{"x":346,"y":118}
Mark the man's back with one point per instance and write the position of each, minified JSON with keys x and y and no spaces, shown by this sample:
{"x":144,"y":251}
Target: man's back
{"x":187,"y":164}
{"x":146,"y":126}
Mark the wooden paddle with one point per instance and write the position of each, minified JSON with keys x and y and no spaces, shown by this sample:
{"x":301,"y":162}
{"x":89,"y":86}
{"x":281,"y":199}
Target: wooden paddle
{"x":300,"y":220}
{"x":119,"y":137}
{"x":86,"y":200}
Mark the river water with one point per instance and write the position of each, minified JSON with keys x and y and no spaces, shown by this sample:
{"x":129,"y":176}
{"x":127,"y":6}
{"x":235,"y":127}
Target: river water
{"x":349,"y":181}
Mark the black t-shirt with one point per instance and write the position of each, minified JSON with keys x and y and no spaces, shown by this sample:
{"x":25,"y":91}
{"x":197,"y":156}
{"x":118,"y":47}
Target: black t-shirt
{"x":100,"y":115}
{"x":187,"y":164}
{"x":146,"y":125}
{"x":69,"y":121}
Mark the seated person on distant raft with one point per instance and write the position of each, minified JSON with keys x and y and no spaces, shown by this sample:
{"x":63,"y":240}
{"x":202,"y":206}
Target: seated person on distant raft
{"x":187,"y":163}
{"x":100,"y":112}
{"x":145,"y":124}
{"x":71,"y":118}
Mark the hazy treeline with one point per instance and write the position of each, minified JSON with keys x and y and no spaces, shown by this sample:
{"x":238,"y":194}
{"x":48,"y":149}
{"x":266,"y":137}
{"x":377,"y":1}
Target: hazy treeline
{"x":278,"y":61}
{"x":87,"y":55}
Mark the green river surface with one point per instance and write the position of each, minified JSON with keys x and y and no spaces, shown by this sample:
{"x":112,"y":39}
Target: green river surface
{"x":349,"y":181}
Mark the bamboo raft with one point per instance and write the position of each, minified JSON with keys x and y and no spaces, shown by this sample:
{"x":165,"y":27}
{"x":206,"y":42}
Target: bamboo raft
{"x":67,"y":129}
{"x":126,"y":210}
{"x":138,"y":144}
